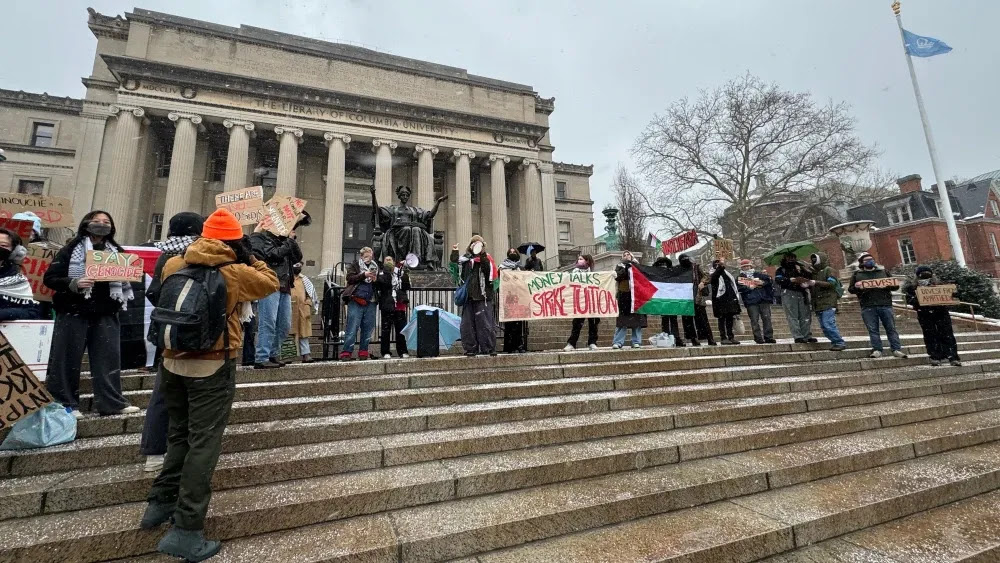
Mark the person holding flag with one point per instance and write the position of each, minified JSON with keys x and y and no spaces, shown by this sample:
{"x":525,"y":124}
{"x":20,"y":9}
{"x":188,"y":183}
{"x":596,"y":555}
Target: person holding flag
{"x":628,"y":319}
{"x":478,"y":272}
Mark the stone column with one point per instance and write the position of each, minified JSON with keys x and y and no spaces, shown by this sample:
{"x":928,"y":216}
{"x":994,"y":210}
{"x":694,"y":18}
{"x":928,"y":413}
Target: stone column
{"x":425,"y":175}
{"x":288,"y":160}
{"x":383,"y":169}
{"x":117,"y":198}
{"x":531,"y":202}
{"x":463,"y":196}
{"x":237,"y":157}
{"x":181,"y":165}
{"x":333,"y":207}
{"x":498,"y":200}
{"x":550,"y":225}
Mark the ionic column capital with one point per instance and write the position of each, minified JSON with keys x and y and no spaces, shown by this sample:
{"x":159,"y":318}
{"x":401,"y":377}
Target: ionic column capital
{"x":376,"y":143}
{"x":501,"y":157}
{"x":421,"y":148}
{"x":177,"y":116}
{"x":115,"y":109}
{"x":458,"y":153}
{"x":296,"y":132}
{"x":525,"y":163}
{"x":329,"y":136}
{"x":547,"y":167}
{"x":230,"y":123}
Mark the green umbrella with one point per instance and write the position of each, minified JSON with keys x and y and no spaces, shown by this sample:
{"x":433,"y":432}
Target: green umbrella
{"x":801,"y":250}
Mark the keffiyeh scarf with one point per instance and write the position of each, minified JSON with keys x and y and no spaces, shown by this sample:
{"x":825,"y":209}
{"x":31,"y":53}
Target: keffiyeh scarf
{"x":175,"y":245}
{"x":120,"y":292}
{"x":16,"y":289}
{"x":307,"y":284}
{"x":509,"y":264}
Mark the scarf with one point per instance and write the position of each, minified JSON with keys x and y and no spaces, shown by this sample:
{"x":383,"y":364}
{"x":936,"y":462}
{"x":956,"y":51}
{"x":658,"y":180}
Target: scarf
{"x":724,"y":286}
{"x":509,"y":264}
{"x":397,"y":282}
{"x":310,"y":289}
{"x":120,"y":292}
{"x":175,"y":245}
{"x":494,"y":273}
{"x":16,"y":289}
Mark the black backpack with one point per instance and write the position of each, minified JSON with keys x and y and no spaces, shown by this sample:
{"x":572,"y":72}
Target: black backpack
{"x":191,"y":314}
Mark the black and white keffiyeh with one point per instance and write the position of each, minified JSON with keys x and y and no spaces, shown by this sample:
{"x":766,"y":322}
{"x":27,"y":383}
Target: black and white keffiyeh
{"x":16,"y":289}
{"x":120,"y":292}
{"x":175,"y":245}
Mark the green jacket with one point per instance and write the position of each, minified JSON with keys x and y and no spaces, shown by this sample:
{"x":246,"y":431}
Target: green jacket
{"x":881,"y":297}
{"x":824,"y":293}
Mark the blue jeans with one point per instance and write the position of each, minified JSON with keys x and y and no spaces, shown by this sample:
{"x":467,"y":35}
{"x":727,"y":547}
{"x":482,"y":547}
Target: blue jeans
{"x":359,"y":316}
{"x":274,"y":320}
{"x":872,"y":316}
{"x":619,"y":338}
{"x":828,"y":322}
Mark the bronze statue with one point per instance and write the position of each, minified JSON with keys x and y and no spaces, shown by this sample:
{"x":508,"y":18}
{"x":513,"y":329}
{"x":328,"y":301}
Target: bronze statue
{"x":406,"y":229}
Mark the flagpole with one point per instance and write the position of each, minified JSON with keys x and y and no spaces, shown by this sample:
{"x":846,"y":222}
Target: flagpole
{"x":949,"y":217}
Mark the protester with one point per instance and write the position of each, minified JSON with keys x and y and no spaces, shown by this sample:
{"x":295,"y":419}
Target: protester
{"x":791,"y":277}
{"x":393,"y":285}
{"x":757,"y":293}
{"x":627,"y":320}
{"x":36,"y":224}
{"x":668,"y":323}
{"x":696,"y":328}
{"x":304,"y":306}
{"x":199,"y":388}
{"x":17,"y":303}
{"x":584,"y":264}
{"x":274,"y":312}
{"x":86,"y":318}
{"x":359,"y":294}
{"x":184,"y":228}
{"x":515,"y":333}
{"x":824,"y":294}
{"x":876,"y":305}
{"x":725,"y":301}
{"x":533,"y":263}
{"x":478,"y":272}
{"x":935,"y":321}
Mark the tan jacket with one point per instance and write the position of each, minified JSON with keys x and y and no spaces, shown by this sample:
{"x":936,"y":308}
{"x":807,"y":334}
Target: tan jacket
{"x":243,"y":283}
{"x":302,"y":308}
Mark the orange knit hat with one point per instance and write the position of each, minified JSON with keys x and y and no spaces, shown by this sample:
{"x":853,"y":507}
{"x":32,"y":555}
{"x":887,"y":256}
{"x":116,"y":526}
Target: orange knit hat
{"x":222,"y":225}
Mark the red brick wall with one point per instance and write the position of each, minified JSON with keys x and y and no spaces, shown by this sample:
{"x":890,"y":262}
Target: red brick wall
{"x":930,"y":242}
{"x":976,"y":244}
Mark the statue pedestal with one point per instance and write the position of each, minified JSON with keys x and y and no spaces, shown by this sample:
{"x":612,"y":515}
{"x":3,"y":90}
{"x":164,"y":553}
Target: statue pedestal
{"x":424,"y":279}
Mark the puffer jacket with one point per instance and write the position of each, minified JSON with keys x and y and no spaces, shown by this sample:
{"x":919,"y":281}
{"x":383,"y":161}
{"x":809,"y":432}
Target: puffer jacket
{"x":881,"y":297}
{"x":824,"y":293}
{"x":243,"y":283}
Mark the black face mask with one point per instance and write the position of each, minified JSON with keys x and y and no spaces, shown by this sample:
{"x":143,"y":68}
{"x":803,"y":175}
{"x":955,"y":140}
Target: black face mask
{"x":514,"y":257}
{"x":99,"y":229}
{"x":926,"y":275}
{"x":686,"y":262}
{"x":4,"y":254}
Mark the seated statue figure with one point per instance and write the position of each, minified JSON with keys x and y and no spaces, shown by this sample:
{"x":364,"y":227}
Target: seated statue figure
{"x":406,"y":229}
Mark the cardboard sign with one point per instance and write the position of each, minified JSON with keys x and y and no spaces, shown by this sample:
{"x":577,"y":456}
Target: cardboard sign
{"x":113,"y":266}
{"x":934,"y":295}
{"x":281,"y":213}
{"x":749,"y":282}
{"x":53,"y":211}
{"x":19,"y":227}
{"x":20,"y":391}
{"x":246,"y":204}
{"x":879,"y":283}
{"x":528,"y":296}
{"x":680,"y":243}
{"x":32,"y":340}
{"x":38,"y":260}
{"x":724,"y":248}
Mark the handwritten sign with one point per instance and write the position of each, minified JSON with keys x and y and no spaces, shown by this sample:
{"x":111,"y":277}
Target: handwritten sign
{"x":281,"y":213}
{"x":36,"y":263}
{"x":19,"y":227}
{"x":937,"y":295}
{"x":880,"y":283}
{"x":246,"y":204}
{"x":556,"y":295}
{"x":20,"y":391}
{"x":113,"y":266}
{"x":680,"y":243}
{"x":724,"y":248}
{"x":749,"y":282}
{"x":53,"y":211}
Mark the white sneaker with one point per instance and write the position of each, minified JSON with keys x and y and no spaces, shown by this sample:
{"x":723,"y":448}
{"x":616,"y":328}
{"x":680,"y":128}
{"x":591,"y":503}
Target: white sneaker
{"x":875,"y":354}
{"x":636,"y":346}
{"x":899,"y":354}
{"x":616,"y":346}
{"x":592,"y":346}
{"x":76,"y":414}
{"x":404,"y":356}
{"x":129,"y":410}
{"x":154,"y":463}
{"x":568,"y":348}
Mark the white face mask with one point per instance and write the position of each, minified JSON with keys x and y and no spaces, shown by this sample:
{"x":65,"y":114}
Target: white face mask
{"x":923,"y":282}
{"x":748,"y":272}
{"x":477,"y":247}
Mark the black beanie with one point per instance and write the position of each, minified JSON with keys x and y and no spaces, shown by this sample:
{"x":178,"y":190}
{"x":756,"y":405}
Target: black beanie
{"x":185,"y":223}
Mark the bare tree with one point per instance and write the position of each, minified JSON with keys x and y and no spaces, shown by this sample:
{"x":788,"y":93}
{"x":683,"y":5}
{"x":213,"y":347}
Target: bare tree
{"x":748,"y":155}
{"x":632,"y":209}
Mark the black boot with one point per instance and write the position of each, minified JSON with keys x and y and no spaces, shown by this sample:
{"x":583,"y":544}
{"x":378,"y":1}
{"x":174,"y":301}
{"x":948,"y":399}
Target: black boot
{"x":190,"y":545}
{"x":156,"y":514}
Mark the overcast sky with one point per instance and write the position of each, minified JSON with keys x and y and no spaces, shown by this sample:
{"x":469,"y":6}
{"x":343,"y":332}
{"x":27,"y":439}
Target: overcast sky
{"x":612,"y":65}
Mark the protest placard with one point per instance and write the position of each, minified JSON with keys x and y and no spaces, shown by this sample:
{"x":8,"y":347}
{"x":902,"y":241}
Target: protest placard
{"x":53,"y":211}
{"x":556,"y":295}
{"x":20,"y":391}
{"x":937,"y":295}
{"x":281,"y":213}
{"x":724,"y":248}
{"x":878,"y":283}
{"x":680,"y":243}
{"x":246,"y":204}
{"x":749,"y":282}
{"x":113,"y":266}
{"x":40,"y":255}
{"x":19,"y":227}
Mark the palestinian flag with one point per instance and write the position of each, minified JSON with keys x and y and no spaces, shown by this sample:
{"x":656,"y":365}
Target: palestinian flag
{"x":662,"y":291}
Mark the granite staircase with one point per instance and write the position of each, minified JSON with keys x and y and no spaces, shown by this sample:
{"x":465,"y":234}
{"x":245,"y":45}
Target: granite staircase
{"x":738,"y":453}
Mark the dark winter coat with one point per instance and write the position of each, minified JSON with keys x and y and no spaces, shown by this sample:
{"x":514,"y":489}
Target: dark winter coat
{"x":910,"y":294}
{"x":533,"y":264}
{"x":824,"y":294}
{"x":881,"y":297}
{"x":728,"y":303}
{"x":470,"y":269}
{"x":280,"y":254}
{"x":760,"y":294}
{"x":355,"y":279}
{"x":784,"y":274}
{"x":626,"y":318}
{"x":65,"y":300}
{"x":12,"y":310}
{"x":383,"y":288}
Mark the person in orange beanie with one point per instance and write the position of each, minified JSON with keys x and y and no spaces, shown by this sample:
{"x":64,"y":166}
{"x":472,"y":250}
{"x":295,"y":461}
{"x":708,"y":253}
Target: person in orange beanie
{"x":199,"y":380}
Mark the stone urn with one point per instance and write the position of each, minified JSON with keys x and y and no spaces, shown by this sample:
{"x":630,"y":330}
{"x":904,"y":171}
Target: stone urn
{"x":855,"y":237}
